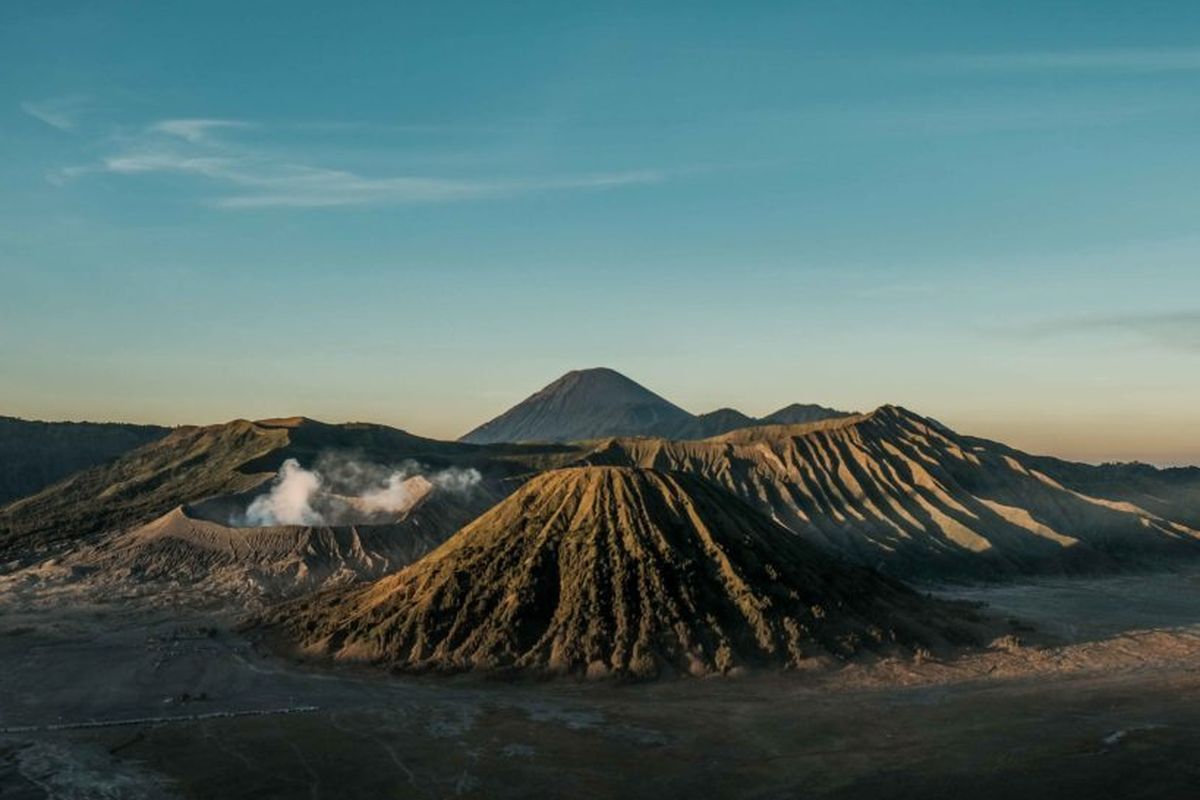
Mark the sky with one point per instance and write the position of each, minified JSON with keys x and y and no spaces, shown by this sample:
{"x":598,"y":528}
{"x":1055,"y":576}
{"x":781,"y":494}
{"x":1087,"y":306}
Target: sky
{"x":419,"y":213}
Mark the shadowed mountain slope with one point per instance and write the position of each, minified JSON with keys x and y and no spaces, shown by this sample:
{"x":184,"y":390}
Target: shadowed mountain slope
{"x":188,"y":464}
{"x":1172,"y":493}
{"x":35,"y":454}
{"x":904,"y":494}
{"x":714,"y":423}
{"x":630,"y":572}
{"x":593,"y":403}
{"x":796,"y":414}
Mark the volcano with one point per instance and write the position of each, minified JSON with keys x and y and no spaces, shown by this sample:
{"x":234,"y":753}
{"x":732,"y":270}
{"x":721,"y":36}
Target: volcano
{"x":193,"y":464}
{"x":199,"y":546}
{"x":628,"y":572}
{"x":584,"y":404}
{"x":593,"y":403}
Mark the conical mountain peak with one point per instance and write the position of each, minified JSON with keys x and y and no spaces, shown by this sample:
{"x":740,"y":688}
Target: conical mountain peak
{"x":605,"y":570}
{"x":584,"y":404}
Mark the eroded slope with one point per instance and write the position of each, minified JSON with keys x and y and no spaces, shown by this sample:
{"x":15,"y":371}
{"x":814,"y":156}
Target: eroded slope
{"x":902,"y":493}
{"x":620,"y":571}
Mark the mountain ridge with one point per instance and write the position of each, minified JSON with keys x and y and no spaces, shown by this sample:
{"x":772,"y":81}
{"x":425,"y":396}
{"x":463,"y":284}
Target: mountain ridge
{"x":907,"y":495}
{"x":35,"y":454}
{"x":890,"y":489}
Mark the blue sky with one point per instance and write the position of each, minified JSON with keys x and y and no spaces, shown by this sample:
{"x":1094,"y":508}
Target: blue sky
{"x":419,"y":213}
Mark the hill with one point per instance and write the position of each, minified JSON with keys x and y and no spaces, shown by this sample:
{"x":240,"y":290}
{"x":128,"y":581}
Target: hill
{"x":714,"y":423}
{"x":593,"y":403}
{"x":904,"y":494}
{"x":796,"y":414}
{"x":35,"y":454}
{"x":629,"y":572}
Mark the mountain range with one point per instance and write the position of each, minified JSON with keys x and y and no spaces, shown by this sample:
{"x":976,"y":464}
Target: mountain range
{"x":890,"y":489}
{"x":592,"y":543}
{"x":592,"y":403}
{"x":905,"y":494}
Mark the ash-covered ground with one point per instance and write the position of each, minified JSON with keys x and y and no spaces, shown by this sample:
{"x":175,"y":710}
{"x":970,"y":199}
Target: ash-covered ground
{"x":159,"y":696}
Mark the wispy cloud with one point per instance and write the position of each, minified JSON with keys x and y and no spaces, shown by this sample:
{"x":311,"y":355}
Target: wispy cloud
{"x":1033,"y":115}
{"x":1118,"y":59}
{"x":1175,"y":330}
{"x":62,"y":113}
{"x":256,"y":176}
{"x":196,"y":131}
{"x":300,"y":187}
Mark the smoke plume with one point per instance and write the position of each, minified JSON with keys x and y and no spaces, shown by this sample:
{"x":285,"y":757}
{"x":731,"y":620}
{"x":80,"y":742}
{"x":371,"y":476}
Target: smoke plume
{"x":289,"y":501}
{"x":343,"y":490}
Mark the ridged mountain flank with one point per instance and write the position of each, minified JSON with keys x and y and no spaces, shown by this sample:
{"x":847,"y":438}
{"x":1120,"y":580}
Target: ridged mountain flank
{"x":904,"y":494}
{"x":616,"y":571}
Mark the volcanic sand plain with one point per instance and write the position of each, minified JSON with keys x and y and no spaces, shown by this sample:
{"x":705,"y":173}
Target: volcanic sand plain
{"x":1095,"y":693}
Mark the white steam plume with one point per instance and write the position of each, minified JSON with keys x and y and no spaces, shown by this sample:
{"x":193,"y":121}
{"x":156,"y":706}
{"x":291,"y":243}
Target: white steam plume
{"x":290,"y":500}
{"x":455,"y":480}
{"x":340,"y":490}
{"x":394,"y":496}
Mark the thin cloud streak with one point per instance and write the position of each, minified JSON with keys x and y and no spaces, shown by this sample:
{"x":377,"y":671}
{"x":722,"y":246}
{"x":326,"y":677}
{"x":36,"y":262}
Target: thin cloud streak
{"x":1118,"y":59}
{"x":328,"y":188}
{"x":1174,"y":330}
{"x":260,"y":179}
{"x":1033,"y":116}
{"x":61,"y":113}
{"x":196,"y":131}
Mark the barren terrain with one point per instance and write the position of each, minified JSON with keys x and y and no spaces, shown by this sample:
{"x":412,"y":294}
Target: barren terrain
{"x":1101,"y":702}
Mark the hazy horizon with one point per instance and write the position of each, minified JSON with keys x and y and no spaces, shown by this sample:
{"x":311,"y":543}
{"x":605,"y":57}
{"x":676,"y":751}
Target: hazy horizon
{"x":418,"y":216}
{"x":1024,"y":437}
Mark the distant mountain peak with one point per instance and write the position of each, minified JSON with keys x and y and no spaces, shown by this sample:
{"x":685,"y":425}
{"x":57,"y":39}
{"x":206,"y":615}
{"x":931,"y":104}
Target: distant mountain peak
{"x":583,"y":404}
{"x":599,"y":373}
{"x":600,"y":402}
{"x":800,"y":413}
{"x":611,"y":383}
